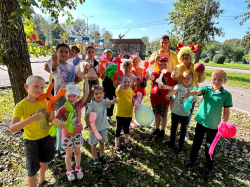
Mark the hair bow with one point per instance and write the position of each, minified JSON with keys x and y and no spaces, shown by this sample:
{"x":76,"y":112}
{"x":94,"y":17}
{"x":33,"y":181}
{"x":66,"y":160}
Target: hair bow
{"x":193,"y":47}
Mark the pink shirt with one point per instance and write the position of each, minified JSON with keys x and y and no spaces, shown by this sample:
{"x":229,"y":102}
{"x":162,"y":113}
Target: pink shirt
{"x":62,"y":113}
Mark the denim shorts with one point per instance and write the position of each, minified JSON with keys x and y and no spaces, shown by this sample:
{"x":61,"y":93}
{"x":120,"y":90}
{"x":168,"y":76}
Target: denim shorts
{"x":93,"y":139}
{"x":37,"y":151}
{"x":72,"y":141}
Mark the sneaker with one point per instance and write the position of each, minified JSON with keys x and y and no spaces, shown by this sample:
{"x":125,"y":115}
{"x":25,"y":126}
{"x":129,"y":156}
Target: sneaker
{"x":79,"y":174}
{"x":63,"y":154}
{"x":118,"y":149}
{"x":189,"y":164}
{"x":128,"y":146}
{"x":161,"y":133}
{"x":206,"y":173}
{"x":70,"y":175}
{"x":155,"y":132}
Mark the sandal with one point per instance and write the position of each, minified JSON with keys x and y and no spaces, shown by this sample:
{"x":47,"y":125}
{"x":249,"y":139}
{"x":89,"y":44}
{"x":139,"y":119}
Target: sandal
{"x":104,"y":159}
{"x":70,"y":175}
{"x":45,"y":182}
{"x":79,"y":174}
{"x":97,"y":164}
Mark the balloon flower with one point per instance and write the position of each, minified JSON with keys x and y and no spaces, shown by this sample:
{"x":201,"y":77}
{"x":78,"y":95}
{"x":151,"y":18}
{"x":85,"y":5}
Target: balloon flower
{"x":92,"y":119}
{"x":138,"y":100}
{"x":146,"y":64}
{"x":118,"y":72}
{"x":52,"y":99}
{"x":110,"y":70}
{"x":104,"y":61}
{"x":159,"y":80}
{"x":67,"y":123}
{"x":72,"y":75}
{"x":225,"y":129}
{"x":188,"y":103}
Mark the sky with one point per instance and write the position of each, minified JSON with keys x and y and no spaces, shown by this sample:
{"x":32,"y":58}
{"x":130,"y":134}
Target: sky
{"x":146,"y":17}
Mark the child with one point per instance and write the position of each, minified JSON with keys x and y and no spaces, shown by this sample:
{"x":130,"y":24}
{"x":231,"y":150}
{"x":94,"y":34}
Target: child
{"x":208,"y":117}
{"x":124,"y":112}
{"x":178,"y":111}
{"x":72,"y":141}
{"x":99,"y":106}
{"x":30,"y":114}
{"x":157,"y":98}
{"x":74,"y":51}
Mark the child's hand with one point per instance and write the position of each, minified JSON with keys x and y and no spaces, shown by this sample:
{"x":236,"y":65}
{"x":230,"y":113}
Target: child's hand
{"x":122,"y":52}
{"x":120,"y":87}
{"x":58,"y":122}
{"x":55,"y":104}
{"x":187,"y":94}
{"x":55,"y":59}
{"x":157,"y":57}
{"x":38,"y":116}
{"x":175,"y":74}
{"x":114,"y":100}
{"x":167,"y":97}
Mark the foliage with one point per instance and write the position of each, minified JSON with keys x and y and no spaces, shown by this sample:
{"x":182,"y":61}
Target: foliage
{"x":229,"y":65}
{"x":219,"y":59}
{"x":227,"y":60}
{"x":211,"y":49}
{"x":247,"y":57}
{"x":206,"y":60}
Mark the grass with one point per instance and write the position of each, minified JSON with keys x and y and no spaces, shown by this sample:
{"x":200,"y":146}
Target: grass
{"x":234,"y":79}
{"x":228,"y":65}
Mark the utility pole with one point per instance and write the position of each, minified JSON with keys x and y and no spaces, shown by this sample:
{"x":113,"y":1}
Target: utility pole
{"x":87,"y":23}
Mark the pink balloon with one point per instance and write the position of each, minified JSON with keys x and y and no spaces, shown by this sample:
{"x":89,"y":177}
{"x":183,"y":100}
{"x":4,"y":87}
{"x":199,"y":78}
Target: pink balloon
{"x":138,"y":100}
{"x":225,"y":129}
{"x":92,"y":119}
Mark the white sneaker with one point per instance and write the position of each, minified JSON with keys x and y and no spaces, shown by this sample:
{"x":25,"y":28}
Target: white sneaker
{"x":70,"y":175}
{"x":79,"y":174}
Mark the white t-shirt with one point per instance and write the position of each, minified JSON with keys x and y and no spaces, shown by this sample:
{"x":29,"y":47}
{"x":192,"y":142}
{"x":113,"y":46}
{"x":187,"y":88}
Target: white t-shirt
{"x":92,"y":72}
{"x":70,"y":61}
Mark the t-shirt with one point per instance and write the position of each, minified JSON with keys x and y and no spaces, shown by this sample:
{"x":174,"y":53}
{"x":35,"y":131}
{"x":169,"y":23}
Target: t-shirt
{"x":138,"y":72}
{"x":62,"y":114}
{"x":157,"y":95}
{"x":60,"y":75}
{"x":179,"y":100}
{"x":125,"y":105}
{"x":92,"y":72}
{"x":37,"y":129}
{"x":209,"y":112}
{"x":78,"y":68}
{"x":101,"y":112}
{"x":182,"y":67}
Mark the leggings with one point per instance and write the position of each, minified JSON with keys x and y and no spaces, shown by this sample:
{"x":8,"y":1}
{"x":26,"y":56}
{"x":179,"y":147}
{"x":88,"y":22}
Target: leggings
{"x":122,"y":123}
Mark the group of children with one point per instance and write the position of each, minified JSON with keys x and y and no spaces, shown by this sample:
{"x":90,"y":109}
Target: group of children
{"x":31,"y":115}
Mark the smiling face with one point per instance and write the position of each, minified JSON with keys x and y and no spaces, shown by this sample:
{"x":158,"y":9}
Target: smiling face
{"x":164,"y":43}
{"x":186,"y":58}
{"x":127,"y":68}
{"x":162,"y":65}
{"x":35,"y":88}
{"x":187,"y":79}
{"x":73,"y":53}
{"x":218,"y":79}
{"x":63,"y":54}
{"x":71,"y":98}
{"x":98,"y":95}
{"x":136,"y":63}
{"x":126,"y":82}
{"x":109,"y":56}
{"x":91,"y":53}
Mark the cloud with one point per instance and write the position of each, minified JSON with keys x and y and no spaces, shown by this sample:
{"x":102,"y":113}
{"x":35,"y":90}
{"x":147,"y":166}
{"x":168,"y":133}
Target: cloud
{"x":143,"y":29}
{"x":129,"y":21}
{"x":158,"y":1}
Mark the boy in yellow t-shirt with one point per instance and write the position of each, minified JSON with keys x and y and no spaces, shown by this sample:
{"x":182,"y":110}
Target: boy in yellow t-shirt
{"x":30,"y":114}
{"x":124,"y":112}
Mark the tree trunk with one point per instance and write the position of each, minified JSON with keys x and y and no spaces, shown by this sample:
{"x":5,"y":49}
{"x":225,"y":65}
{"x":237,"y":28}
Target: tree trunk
{"x":197,"y":55}
{"x":17,"y":56}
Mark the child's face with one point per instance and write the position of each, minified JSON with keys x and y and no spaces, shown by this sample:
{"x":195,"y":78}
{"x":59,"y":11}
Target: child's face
{"x":128,"y":68}
{"x":187,"y":79}
{"x":126,"y":82}
{"x":164,"y":43}
{"x":136,"y":63}
{"x":71,"y":98}
{"x":63,"y":54}
{"x":73,"y":53}
{"x":162,"y":65}
{"x":98,"y":95}
{"x":90,"y":53}
{"x":35,"y":88}
{"x":109,"y":56}
{"x":218,"y":80}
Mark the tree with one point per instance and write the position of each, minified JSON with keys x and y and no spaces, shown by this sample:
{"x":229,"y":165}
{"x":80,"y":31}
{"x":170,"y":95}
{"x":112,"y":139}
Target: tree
{"x":14,"y":51}
{"x":145,"y":40}
{"x":194,"y":25}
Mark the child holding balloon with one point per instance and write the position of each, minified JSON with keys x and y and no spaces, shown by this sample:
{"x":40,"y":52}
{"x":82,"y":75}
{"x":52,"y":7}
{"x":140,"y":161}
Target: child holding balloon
{"x":215,"y":99}
{"x":99,"y":106}
{"x":179,"y":113}
{"x":72,"y":141}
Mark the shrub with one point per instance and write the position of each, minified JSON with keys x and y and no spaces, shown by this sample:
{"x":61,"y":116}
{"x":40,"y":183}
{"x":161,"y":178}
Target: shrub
{"x":206,"y":60}
{"x":228,"y":60}
{"x":219,"y":59}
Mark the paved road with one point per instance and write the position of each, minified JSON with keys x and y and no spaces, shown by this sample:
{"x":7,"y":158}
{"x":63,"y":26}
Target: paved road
{"x":241,"y":97}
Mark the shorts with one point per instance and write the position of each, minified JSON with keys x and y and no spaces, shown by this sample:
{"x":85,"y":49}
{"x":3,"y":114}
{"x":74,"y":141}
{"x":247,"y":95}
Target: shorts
{"x":93,"y":139}
{"x":72,"y":141}
{"x":161,"y":109}
{"x":37,"y":151}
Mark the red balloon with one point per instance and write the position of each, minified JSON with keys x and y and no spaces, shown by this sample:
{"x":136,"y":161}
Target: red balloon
{"x":199,"y":68}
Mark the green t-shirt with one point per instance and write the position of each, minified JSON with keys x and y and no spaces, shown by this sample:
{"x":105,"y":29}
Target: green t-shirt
{"x":209,"y":112}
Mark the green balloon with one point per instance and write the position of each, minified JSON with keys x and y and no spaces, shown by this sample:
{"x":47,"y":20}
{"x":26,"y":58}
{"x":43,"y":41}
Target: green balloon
{"x":53,"y":130}
{"x":110,"y":70}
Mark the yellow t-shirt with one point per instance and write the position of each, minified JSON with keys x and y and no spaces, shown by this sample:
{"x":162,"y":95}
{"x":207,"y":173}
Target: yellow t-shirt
{"x":37,"y":129}
{"x":182,"y":67}
{"x":124,"y":105}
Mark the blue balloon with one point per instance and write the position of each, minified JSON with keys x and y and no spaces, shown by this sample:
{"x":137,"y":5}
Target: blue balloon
{"x":144,"y":115}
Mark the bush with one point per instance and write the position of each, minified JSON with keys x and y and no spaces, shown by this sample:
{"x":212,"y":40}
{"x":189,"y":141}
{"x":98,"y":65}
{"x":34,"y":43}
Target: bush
{"x":228,"y":60}
{"x":206,"y":60}
{"x":219,"y":59}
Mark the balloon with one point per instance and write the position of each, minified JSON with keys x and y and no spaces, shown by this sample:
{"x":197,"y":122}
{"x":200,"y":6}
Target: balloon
{"x":199,"y":67}
{"x":225,"y":129}
{"x":72,"y":75}
{"x":52,"y":99}
{"x":159,"y":80}
{"x":68,"y":123}
{"x":53,"y":130}
{"x":138,"y":100}
{"x":146,"y":64}
{"x":92,"y":119}
{"x":118,"y":72}
{"x":104,"y":61}
{"x":110,"y":70}
{"x":188,"y":103}
{"x":144,"y":115}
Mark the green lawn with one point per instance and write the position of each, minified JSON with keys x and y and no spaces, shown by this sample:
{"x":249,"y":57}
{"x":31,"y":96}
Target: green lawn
{"x":228,"y":65}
